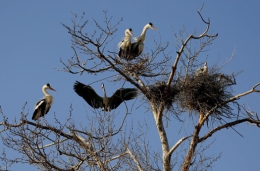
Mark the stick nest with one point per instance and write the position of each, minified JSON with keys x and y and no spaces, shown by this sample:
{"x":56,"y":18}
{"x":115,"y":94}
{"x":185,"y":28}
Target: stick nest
{"x":159,"y":93}
{"x":202,"y":93}
{"x":139,"y":65}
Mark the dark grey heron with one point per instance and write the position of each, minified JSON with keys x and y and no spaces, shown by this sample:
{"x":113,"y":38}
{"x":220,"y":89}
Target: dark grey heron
{"x":107,"y":103}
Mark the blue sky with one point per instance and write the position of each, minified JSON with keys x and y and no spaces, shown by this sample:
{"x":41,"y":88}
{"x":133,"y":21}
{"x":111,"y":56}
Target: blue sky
{"x":33,"y":41}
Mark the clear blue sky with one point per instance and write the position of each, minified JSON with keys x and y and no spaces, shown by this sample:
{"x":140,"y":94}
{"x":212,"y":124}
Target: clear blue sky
{"x":33,"y":41}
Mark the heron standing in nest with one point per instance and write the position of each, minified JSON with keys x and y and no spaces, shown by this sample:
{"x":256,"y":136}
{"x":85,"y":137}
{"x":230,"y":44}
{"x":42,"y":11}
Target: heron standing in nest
{"x":138,"y":46}
{"x":203,"y":70}
{"x":125,"y":44}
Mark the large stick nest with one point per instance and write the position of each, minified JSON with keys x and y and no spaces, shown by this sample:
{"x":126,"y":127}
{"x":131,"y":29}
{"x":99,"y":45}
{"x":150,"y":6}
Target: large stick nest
{"x":203,"y":92}
{"x":160,"y":93}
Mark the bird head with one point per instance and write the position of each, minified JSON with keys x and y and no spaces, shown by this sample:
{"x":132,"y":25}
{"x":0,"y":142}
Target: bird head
{"x":102,"y":86}
{"x":48,"y":86}
{"x":129,"y":31}
{"x":150,"y":25}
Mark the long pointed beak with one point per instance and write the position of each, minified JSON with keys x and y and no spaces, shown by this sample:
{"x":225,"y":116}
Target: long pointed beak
{"x":52,"y":89}
{"x":132,"y":34}
{"x":154,"y":28}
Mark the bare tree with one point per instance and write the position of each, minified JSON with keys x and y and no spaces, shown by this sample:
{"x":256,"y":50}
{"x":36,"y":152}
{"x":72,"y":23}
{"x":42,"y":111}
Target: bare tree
{"x":171,"y":91}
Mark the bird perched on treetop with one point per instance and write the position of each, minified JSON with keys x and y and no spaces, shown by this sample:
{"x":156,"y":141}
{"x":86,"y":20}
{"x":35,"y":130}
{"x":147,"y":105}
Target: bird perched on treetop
{"x":43,"y":106}
{"x":138,"y":46}
{"x":125,"y":45}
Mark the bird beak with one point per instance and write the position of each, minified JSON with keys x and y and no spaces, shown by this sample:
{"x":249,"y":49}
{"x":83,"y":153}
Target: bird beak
{"x":154,"y":28}
{"x":132,"y":34}
{"x":52,"y":89}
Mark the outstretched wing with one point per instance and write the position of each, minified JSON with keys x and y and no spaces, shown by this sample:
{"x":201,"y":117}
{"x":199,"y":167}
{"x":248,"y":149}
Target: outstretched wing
{"x":121,"y":95}
{"x":88,"y":94}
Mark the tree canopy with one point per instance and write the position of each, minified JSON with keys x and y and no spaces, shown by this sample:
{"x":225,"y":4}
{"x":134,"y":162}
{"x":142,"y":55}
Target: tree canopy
{"x":170,"y":87}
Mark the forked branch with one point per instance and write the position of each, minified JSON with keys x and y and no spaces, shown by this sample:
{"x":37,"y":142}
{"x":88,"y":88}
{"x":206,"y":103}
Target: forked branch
{"x":184,"y":44}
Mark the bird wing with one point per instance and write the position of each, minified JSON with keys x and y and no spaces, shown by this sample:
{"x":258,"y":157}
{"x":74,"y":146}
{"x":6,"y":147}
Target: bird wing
{"x":122,"y":52}
{"x":39,"y":109}
{"x":121,"y":95}
{"x":88,"y":94}
{"x":136,"y":49}
{"x":120,"y":44}
{"x":124,"y":47}
{"x":140,"y":48}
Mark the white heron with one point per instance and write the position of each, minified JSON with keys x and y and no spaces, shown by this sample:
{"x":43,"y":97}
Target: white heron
{"x":125,"y":45}
{"x":203,"y":70}
{"x":43,"y":106}
{"x":138,"y":46}
{"x":107,"y":103}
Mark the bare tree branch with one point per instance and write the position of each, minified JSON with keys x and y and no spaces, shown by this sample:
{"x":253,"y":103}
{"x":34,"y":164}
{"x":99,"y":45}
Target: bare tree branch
{"x":135,"y":159}
{"x":230,"y":124}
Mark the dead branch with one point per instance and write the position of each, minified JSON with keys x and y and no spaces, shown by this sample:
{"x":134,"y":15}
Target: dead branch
{"x":230,"y":100}
{"x":184,"y":44}
{"x":227,"y":125}
{"x":135,"y":159}
{"x":177,"y":145}
{"x":23,"y":122}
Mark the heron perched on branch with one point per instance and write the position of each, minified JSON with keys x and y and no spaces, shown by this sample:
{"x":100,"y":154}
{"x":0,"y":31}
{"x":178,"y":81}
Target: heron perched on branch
{"x":138,"y":46}
{"x":125,"y":45}
{"x":106,"y":103}
{"x":43,"y":106}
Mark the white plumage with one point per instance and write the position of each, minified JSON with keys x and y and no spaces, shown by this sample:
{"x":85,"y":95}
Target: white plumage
{"x":125,"y":45}
{"x":203,"y":70}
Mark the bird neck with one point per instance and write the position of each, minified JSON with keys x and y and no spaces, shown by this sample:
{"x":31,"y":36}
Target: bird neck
{"x":105,"y":94}
{"x":127,"y":34}
{"x":105,"y":100}
{"x":127,"y":37}
{"x":142,"y":36}
{"x":144,"y":30}
{"x":205,"y":69}
{"x":45,"y":92}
